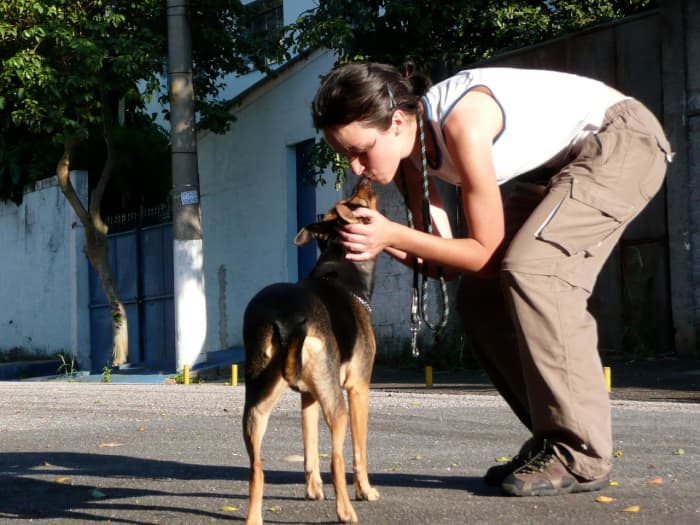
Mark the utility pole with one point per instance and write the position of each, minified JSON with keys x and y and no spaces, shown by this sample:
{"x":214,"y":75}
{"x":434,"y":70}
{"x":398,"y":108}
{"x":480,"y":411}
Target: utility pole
{"x":190,"y":305}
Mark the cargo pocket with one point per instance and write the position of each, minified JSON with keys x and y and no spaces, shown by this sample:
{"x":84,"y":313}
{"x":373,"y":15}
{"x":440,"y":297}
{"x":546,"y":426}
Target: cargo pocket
{"x":587,"y":216}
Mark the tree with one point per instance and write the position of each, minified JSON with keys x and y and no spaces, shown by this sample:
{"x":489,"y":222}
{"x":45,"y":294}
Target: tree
{"x":67,"y":64}
{"x":445,"y":34}
{"x":441,"y":36}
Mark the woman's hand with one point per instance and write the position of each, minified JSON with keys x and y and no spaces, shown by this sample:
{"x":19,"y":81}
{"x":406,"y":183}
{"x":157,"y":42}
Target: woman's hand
{"x":366,"y":239}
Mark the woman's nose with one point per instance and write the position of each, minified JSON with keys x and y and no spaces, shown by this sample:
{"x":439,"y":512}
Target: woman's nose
{"x":356,"y":166}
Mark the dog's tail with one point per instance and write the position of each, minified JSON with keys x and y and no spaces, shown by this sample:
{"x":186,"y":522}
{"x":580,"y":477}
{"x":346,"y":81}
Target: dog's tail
{"x":292,"y":334}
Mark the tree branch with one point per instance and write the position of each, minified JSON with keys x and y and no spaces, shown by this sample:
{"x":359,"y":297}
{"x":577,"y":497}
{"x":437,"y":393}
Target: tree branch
{"x":64,"y":182}
{"x":108,"y":167}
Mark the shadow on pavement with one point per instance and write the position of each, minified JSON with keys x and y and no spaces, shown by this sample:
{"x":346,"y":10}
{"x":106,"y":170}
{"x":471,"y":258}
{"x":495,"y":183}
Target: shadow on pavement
{"x":40,"y":486}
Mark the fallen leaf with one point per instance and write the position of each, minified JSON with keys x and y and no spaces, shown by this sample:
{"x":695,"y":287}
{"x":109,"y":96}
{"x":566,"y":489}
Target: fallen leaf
{"x":503,"y":459}
{"x":614,"y":483}
{"x":274,"y":509}
{"x":678,"y":452}
{"x":655,"y":481}
{"x":97,"y":494}
{"x":604,"y":499}
{"x":323,"y":455}
{"x":141,"y":429}
{"x":64,"y":480}
{"x":418,"y":457}
{"x":618,"y":453}
{"x":111,"y":445}
{"x":229,"y":508}
{"x":632,"y":508}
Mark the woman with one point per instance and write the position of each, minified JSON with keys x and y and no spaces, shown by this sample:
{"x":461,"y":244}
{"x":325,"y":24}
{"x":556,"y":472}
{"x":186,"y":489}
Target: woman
{"x":587,"y":158}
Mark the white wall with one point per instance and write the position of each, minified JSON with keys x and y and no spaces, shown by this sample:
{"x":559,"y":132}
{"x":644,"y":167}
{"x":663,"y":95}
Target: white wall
{"x":247,"y":185}
{"x":44,"y":293}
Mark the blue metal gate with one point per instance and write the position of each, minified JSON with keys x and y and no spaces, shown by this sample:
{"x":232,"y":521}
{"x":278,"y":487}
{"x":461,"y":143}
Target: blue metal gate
{"x":142,"y":262}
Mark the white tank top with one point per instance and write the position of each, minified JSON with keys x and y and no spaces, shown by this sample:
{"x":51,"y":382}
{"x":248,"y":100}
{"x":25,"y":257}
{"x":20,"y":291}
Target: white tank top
{"x":546,"y":115}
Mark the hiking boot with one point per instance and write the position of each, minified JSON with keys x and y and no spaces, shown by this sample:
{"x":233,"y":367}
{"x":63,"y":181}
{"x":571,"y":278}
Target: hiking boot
{"x":495,"y":475}
{"x":546,"y":475}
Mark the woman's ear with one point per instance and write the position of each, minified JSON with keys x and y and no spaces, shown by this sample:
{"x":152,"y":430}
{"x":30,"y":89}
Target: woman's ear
{"x":398,"y":121}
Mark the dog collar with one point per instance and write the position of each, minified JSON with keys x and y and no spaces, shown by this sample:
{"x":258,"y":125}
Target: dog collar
{"x":363,"y":302}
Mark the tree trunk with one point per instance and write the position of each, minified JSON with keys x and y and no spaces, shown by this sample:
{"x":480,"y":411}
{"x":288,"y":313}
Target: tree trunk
{"x":97,"y":247}
{"x":97,"y":251}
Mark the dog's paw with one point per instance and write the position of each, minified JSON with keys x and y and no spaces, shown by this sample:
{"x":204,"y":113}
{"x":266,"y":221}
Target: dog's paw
{"x":314,"y":490}
{"x":254,"y":520}
{"x":370,"y":494}
{"x":346,"y":514}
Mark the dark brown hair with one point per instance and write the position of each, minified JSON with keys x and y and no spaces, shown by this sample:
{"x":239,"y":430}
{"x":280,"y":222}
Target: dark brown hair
{"x":367,"y":93}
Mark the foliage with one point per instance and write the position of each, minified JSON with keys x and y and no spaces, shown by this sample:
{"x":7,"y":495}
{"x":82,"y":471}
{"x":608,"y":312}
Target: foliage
{"x":106,"y":374}
{"x":62,"y":62}
{"x":141,"y":165}
{"x":320,"y":156}
{"x":442,"y":35}
{"x":68,"y":367}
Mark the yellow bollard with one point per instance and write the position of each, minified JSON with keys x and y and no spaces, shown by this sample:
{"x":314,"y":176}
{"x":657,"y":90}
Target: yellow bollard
{"x":234,"y":375}
{"x":186,"y":375}
{"x":429,"y":376}
{"x":608,"y":378}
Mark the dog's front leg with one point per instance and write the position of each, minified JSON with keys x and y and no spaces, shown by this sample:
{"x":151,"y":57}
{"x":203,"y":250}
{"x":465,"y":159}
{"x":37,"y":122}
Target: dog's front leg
{"x":309,"y":428}
{"x":358,"y":401}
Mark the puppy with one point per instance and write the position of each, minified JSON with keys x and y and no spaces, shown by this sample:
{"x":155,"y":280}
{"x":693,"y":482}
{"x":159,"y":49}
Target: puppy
{"x":316,"y":337}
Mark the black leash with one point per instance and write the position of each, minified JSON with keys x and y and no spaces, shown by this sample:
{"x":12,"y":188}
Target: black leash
{"x":419,"y":301}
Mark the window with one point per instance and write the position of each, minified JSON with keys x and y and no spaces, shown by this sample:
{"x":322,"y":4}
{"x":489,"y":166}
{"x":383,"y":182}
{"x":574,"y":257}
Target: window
{"x":268,"y":16}
{"x":267,"y":20}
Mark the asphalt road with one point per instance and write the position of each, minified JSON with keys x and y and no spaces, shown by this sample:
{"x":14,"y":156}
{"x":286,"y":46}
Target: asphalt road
{"x":173,"y":454}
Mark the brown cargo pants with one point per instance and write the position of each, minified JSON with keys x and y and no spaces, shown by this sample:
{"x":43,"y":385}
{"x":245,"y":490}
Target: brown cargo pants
{"x":531,"y":329}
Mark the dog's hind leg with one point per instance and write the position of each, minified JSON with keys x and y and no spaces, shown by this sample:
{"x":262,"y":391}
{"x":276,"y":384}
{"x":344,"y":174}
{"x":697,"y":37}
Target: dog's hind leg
{"x":358,"y":401}
{"x":336,"y":417}
{"x":255,"y":417}
{"x":309,"y":427}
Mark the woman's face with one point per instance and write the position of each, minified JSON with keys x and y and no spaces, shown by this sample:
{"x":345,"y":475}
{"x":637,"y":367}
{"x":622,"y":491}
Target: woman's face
{"x":372,"y":152}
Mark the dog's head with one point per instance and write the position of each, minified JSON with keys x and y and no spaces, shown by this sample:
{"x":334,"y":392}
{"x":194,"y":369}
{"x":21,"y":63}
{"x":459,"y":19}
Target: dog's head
{"x":363,"y":196}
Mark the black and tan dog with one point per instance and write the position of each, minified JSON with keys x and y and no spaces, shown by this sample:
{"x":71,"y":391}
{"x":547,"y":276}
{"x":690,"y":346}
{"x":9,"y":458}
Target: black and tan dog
{"x":316,"y":337}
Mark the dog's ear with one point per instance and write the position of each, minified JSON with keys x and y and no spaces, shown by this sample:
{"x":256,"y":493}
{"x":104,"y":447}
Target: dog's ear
{"x":313,"y":231}
{"x":345,"y":212}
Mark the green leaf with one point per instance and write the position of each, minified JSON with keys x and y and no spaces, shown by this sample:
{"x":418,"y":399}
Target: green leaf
{"x":97,"y":494}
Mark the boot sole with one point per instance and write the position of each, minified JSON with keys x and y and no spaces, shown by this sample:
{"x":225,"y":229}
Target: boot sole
{"x":576,"y":487}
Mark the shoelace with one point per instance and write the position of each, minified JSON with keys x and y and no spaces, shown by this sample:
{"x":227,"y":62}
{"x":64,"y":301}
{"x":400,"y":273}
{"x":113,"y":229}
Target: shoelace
{"x":538,"y":463}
